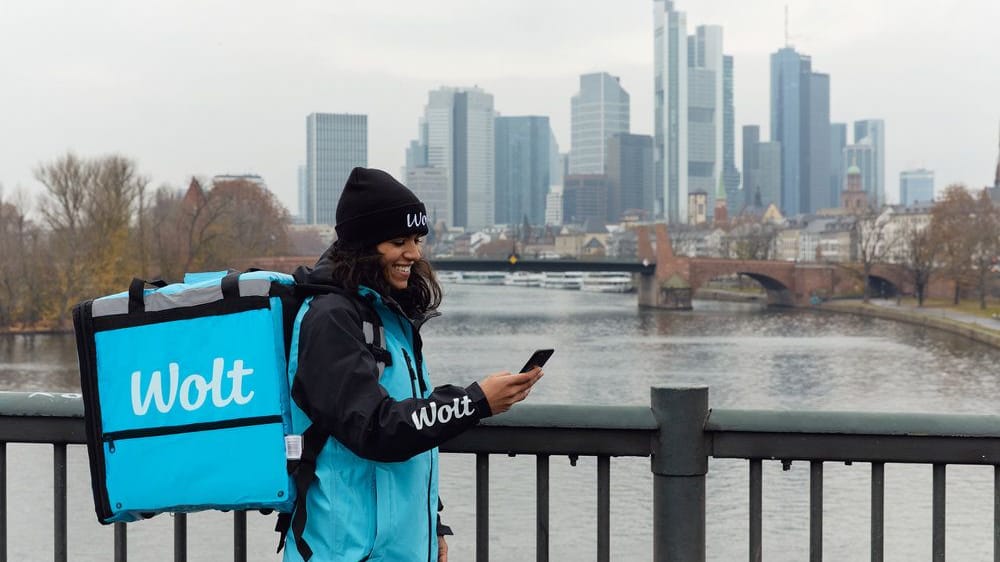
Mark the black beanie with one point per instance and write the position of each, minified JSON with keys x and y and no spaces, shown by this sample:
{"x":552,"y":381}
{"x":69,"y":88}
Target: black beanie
{"x":374,"y":207}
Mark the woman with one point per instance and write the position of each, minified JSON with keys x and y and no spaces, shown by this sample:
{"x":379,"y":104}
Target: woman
{"x":361,"y":390}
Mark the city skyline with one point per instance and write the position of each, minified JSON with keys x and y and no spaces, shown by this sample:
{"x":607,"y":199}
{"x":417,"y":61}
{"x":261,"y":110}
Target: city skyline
{"x":215,"y":94}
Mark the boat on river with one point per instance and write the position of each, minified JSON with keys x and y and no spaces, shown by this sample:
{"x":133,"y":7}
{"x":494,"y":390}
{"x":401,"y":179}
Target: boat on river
{"x":482,"y":278}
{"x":571,"y":280}
{"x":524,"y":279}
{"x":607,"y":282}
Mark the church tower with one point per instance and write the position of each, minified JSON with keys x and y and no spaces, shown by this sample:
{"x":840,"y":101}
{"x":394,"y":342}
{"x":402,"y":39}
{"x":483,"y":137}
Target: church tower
{"x":854,"y":198}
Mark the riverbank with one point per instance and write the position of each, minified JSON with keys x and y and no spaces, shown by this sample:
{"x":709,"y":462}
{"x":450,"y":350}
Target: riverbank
{"x":977,"y":328}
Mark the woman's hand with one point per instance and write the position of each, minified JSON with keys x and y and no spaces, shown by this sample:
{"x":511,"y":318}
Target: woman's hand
{"x":442,"y":550}
{"x":503,"y":390}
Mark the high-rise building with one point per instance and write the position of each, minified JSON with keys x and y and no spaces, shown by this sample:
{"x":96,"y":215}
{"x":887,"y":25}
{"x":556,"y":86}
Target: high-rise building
{"x":694,"y":146}
{"x":460,"y":138}
{"x":872,"y":132}
{"x":522,"y":164}
{"x":585,"y":199}
{"x":630,"y":175}
{"x":916,"y":186}
{"x":800,"y":121}
{"x":838,"y":140}
{"x":670,"y":98}
{"x":751,"y":162}
{"x":335,"y":144}
{"x":730,"y":174}
{"x":599,"y":110}
{"x":705,"y":113}
{"x":430,"y":185}
{"x":303,"y":191}
{"x":761,"y":170}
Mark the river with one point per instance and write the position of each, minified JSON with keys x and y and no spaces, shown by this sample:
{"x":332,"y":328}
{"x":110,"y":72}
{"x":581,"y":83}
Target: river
{"x":610,"y":352}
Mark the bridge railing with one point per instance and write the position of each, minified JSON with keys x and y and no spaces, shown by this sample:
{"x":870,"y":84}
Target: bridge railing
{"x":678,"y":432}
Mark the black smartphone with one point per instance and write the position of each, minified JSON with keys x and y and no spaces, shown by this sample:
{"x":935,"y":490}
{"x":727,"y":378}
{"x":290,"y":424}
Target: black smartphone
{"x":537,"y":359}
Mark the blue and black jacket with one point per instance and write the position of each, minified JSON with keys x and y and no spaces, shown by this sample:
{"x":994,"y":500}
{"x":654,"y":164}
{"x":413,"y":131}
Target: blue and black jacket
{"x":361,"y":389}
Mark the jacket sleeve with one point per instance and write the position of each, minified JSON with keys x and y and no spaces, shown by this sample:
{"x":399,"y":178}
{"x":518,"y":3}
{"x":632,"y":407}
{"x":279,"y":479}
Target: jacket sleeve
{"x":336,"y":385}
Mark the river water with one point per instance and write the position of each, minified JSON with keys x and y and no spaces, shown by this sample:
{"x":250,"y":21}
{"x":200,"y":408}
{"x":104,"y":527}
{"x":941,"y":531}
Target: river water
{"x":610,"y":352}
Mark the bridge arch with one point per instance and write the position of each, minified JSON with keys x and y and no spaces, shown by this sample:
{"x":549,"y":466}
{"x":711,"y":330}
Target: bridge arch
{"x":777,"y":278}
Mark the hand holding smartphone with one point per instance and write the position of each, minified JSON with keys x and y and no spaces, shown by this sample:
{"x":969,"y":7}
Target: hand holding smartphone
{"x":537,"y":359}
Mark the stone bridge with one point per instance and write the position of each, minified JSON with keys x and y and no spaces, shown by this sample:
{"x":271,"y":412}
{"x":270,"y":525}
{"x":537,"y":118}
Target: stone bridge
{"x":677,"y":278}
{"x":787,"y":283}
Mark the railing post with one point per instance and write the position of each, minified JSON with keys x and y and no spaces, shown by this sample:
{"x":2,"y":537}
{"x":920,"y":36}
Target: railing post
{"x":679,"y":465}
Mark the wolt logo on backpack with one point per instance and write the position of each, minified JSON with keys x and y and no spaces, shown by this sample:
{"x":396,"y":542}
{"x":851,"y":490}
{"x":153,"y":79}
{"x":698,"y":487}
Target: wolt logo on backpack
{"x":192,"y":392}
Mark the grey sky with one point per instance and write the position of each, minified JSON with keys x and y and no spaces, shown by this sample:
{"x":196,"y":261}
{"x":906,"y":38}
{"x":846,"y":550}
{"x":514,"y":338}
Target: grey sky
{"x":212,"y":87}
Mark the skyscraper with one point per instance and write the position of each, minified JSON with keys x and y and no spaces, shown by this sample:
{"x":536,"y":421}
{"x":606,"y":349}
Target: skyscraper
{"x":916,"y":186}
{"x":693,"y":97}
{"x":522,"y":167}
{"x":599,"y":110}
{"x":335,"y":144}
{"x":731,"y":175}
{"x":705,"y":112}
{"x":761,"y":170}
{"x":838,"y":140}
{"x":630,"y":175}
{"x":800,"y":121}
{"x":670,"y":99}
{"x":872,"y":132}
{"x":460,"y":138}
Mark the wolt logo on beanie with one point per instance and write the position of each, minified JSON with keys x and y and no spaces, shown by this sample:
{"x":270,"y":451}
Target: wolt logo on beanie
{"x":374,"y":207}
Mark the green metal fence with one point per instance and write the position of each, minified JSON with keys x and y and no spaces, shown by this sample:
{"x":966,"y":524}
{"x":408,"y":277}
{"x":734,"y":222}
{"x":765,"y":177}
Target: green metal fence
{"x":677,"y":431}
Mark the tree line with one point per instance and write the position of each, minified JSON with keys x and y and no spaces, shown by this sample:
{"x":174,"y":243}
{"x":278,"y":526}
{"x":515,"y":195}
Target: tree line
{"x":98,"y":224}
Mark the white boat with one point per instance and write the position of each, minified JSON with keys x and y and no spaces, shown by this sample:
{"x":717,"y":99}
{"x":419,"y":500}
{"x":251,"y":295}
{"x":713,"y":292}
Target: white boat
{"x":448,"y":276}
{"x":482,"y":278}
{"x":524,"y":279}
{"x":607,"y":282}
{"x":571,"y":280}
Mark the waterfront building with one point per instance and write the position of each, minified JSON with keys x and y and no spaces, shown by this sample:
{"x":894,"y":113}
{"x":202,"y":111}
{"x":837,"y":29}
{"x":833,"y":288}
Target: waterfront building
{"x":599,"y":111}
{"x":871,"y":132}
{"x":335,"y":144}
{"x":458,"y":124}
{"x":522,"y":166}
{"x":800,"y":121}
{"x":630,"y":175}
{"x":916,"y":186}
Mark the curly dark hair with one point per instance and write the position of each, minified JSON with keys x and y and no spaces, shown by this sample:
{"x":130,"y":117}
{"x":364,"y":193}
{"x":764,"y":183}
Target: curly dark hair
{"x":353,"y":266}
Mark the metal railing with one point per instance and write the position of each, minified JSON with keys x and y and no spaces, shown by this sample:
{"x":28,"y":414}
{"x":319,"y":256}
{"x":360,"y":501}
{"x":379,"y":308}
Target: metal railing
{"x":678,"y":432}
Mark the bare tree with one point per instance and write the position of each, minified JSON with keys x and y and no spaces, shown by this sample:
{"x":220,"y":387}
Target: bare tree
{"x":88,"y":208}
{"x":869,"y":233}
{"x":985,"y":244}
{"x":918,"y":252}
{"x":951,"y":225}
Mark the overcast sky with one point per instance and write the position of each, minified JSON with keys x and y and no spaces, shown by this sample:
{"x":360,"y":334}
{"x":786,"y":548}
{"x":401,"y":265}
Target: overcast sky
{"x":211,"y":87}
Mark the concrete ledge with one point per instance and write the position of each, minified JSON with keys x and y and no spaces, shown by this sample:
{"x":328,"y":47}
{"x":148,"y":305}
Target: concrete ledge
{"x":974,"y":332}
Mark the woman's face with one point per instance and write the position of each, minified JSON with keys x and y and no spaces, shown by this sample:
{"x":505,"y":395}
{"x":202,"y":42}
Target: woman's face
{"x":398,"y":254}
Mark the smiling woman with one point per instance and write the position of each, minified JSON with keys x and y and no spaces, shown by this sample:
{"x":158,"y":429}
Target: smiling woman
{"x":364,"y":405}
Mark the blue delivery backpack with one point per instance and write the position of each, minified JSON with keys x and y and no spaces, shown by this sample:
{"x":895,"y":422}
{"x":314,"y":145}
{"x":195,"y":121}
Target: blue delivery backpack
{"x":186,"y":398}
